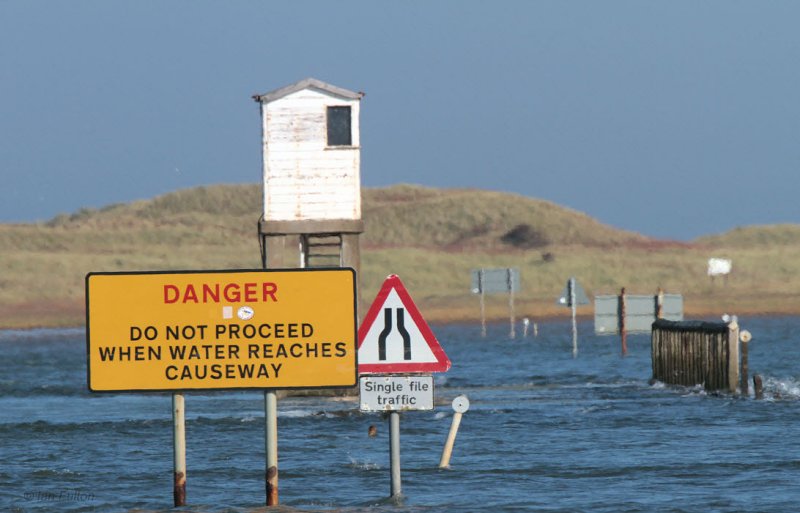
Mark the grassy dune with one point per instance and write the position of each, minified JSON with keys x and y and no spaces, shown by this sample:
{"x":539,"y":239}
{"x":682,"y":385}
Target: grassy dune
{"x":432,"y":238}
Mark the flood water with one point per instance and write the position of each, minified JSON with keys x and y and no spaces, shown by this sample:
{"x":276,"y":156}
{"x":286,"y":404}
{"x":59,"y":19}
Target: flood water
{"x":544,"y":432}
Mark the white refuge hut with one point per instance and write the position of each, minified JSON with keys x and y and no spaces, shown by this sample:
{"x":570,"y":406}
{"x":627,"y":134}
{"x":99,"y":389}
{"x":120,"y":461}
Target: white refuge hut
{"x":312,"y":174}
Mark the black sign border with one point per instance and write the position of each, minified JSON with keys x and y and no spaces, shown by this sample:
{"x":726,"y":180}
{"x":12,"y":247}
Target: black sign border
{"x":223,"y":271}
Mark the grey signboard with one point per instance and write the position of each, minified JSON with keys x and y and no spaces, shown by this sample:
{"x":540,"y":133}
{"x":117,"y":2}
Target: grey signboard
{"x":640,"y":312}
{"x":495,"y":281}
{"x":565,"y":298}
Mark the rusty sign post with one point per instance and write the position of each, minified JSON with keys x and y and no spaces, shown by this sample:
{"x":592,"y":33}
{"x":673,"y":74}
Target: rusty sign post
{"x":179,"y":450}
{"x":271,"y":445}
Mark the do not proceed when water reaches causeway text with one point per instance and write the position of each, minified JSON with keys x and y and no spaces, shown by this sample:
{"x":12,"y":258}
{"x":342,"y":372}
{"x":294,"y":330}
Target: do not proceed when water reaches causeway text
{"x":223,"y":351}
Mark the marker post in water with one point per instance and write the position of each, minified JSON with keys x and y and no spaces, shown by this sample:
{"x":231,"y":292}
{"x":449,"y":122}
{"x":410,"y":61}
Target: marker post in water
{"x":460,"y":406}
{"x":745,"y":337}
{"x":572,"y":296}
{"x":179,"y":450}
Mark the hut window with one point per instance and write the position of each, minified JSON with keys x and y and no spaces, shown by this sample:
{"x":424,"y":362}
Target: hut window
{"x":339,"y":133}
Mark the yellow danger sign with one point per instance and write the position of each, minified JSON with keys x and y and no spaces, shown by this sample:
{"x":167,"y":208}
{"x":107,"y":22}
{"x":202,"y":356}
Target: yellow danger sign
{"x":186,"y":330}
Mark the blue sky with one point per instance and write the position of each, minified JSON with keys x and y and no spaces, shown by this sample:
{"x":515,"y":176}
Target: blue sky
{"x":673,"y":119}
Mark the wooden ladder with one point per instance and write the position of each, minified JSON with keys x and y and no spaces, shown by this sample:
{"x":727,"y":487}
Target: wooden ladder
{"x":321,"y":250}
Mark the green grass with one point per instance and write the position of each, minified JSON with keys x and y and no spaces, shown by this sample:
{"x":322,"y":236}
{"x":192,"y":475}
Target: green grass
{"x":432,"y":238}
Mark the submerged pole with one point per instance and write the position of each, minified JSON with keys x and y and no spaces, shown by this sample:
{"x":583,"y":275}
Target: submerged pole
{"x":660,"y":303}
{"x":483,"y":304}
{"x":573,"y":307}
{"x":460,"y":405}
{"x":745,"y":337}
{"x":444,"y":462}
{"x":733,"y":355}
{"x":623,"y":330}
{"x":179,"y":450}
{"x":271,"y":444}
{"x":510,"y":284}
{"x":758,"y":387}
{"x":394,"y":454}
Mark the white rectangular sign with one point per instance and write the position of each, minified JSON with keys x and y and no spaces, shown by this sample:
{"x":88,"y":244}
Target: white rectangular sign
{"x":396,"y":393}
{"x":719,"y":266}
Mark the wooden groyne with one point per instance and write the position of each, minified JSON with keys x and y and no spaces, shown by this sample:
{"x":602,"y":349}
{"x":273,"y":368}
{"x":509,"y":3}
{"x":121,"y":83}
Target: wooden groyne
{"x":696,"y":353}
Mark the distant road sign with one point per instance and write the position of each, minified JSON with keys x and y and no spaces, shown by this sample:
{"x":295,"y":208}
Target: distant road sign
{"x":580,"y":295}
{"x":394,"y":338}
{"x":396,"y":393}
{"x":495,"y":281}
{"x":719,"y":266}
{"x":640,"y":312}
{"x":189,"y":330}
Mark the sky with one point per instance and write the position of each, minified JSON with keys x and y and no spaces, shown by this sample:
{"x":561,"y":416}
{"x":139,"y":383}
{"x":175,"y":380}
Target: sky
{"x":673,"y":119}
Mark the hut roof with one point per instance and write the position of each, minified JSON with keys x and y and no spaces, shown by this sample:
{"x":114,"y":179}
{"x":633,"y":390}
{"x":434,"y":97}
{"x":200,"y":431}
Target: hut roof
{"x":308,"y":83}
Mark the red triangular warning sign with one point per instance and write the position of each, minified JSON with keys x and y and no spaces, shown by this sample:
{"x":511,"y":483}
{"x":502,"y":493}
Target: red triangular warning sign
{"x":394,"y":338}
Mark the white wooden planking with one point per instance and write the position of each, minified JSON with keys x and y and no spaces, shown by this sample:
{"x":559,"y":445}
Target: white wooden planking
{"x":304,"y":178}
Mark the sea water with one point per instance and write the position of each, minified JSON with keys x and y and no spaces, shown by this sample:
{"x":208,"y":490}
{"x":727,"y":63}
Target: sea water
{"x":545,"y":431}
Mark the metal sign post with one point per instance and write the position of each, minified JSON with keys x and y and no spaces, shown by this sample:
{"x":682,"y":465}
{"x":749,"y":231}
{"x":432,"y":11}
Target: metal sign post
{"x":510,"y":283}
{"x":572,"y":296}
{"x":483,"y":303}
{"x":271,"y":445}
{"x":386,"y":347}
{"x":394,"y":394}
{"x":394,"y":455}
{"x":496,"y":281}
{"x":179,"y":450}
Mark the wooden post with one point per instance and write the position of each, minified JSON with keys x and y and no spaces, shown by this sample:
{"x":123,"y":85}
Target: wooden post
{"x":745,"y":337}
{"x":745,"y":383}
{"x":758,"y":387}
{"x":179,"y":450}
{"x":733,"y":356}
{"x":660,"y":303}
{"x":444,"y":462}
{"x":623,"y":331}
{"x":351,"y":257}
{"x":655,"y":336}
{"x":460,"y":406}
{"x":273,"y":247}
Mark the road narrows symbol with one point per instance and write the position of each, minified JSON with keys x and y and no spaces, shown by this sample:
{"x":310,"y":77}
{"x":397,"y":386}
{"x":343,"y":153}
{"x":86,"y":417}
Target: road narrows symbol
{"x":387,"y":329}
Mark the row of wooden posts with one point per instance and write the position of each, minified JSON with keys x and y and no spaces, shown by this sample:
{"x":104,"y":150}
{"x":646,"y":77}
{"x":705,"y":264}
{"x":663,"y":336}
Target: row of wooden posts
{"x":702,"y":353}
